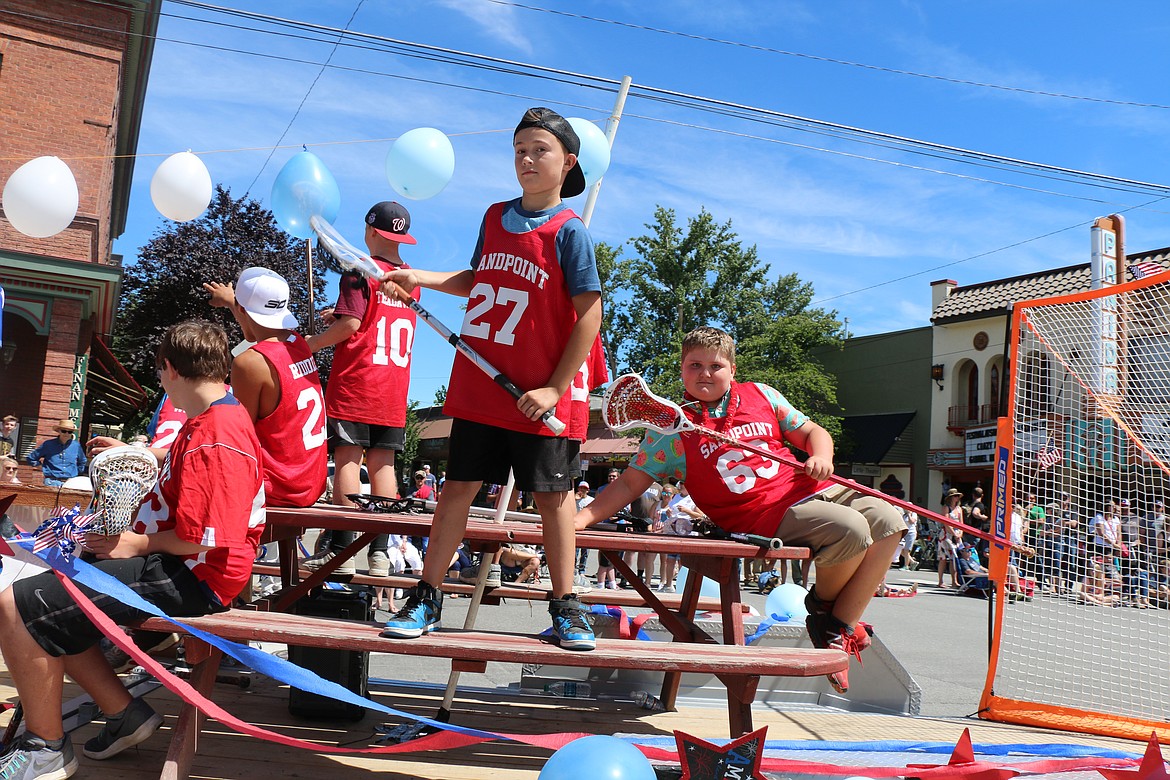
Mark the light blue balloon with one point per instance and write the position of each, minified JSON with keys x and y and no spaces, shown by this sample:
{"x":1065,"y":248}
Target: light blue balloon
{"x":420,"y":163}
{"x":709,"y":588}
{"x":598,"y":758}
{"x":786,"y":602}
{"x":304,"y":188}
{"x":594,"y":154}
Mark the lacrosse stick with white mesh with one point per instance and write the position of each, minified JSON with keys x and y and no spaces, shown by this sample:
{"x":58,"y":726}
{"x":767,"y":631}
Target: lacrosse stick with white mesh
{"x":353,"y":260}
{"x":629,"y":403}
{"x":122,"y":476}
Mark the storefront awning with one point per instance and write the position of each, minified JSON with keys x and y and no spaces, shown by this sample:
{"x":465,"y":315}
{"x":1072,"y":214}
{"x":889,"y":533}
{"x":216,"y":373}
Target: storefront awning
{"x":112,"y":394}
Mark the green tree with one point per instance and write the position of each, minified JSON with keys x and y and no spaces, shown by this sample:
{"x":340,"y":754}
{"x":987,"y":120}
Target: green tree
{"x":681,"y":277}
{"x":441,"y":395}
{"x":164,"y":285}
{"x":413,"y":435}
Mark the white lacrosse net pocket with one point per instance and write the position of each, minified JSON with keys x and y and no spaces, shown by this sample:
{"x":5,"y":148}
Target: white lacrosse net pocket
{"x":122,"y":476}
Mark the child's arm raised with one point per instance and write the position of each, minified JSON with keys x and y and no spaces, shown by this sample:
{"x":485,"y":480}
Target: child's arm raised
{"x":451,"y":282}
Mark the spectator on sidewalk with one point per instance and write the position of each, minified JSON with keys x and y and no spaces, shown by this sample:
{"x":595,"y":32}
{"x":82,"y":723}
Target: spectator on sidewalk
{"x":8,"y":435}
{"x":61,"y":457}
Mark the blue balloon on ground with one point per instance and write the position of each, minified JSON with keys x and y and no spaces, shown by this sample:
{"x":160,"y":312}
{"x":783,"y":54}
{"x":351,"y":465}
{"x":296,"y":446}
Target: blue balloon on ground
{"x":598,"y":758}
{"x":304,"y":188}
{"x":420,"y":163}
{"x":786,"y":601}
{"x":594,"y":154}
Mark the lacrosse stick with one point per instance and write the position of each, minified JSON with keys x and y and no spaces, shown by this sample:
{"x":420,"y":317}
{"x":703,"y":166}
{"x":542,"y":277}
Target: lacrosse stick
{"x":629,"y":403}
{"x":351,"y":259}
{"x":122,"y":476}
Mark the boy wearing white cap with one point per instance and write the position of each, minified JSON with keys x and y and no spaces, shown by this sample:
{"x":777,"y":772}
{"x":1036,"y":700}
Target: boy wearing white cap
{"x":276,"y":381}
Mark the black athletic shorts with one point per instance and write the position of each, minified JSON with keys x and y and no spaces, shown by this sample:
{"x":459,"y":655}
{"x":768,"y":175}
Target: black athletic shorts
{"x":485,"y":453}
{"x":60,"y":627}
{"x":343,"y":433}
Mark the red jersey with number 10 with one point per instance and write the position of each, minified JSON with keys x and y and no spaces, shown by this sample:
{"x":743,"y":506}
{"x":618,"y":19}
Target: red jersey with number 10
{"x":371,"y":369}
{"x":519,"y":315}
{"x":293,"y":435}
{"x":736,"y":488}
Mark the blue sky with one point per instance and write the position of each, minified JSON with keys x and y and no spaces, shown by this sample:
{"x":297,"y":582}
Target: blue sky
{"x":869,"y":235}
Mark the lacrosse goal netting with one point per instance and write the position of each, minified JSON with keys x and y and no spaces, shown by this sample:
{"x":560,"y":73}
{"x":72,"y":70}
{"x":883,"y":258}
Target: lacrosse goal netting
{"x":1088,"y":419}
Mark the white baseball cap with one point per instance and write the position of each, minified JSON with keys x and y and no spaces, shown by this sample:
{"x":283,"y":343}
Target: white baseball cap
{"x":264,"y":295}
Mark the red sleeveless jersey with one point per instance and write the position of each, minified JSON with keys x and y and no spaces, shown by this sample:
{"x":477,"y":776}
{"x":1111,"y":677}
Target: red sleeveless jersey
{"x":519,"y":315}
{"x":167,"y":426}
{"x":293,"y":436}
{"x":736,"y":488}
{"x":371,"y":369}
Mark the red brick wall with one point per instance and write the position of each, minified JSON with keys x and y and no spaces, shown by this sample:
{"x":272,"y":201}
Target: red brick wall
{"x":59,"y":96}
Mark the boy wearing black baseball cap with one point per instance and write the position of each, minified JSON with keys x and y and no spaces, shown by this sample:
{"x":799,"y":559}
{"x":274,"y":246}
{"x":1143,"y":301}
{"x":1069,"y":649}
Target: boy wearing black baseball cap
{"x":365,"y":400}
{"x":534,"y":312}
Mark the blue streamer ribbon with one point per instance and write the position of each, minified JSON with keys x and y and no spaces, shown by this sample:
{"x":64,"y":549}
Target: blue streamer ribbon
{"x":269,"y":665}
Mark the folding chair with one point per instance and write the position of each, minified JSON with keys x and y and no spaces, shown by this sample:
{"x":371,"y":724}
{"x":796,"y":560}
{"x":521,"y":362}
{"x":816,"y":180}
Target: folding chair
{"x":972,"y":584}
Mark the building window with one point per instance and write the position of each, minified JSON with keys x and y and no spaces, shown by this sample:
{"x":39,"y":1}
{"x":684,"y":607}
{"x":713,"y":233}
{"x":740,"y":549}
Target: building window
{"x":973,"y":393}
{"x":993,"y":387}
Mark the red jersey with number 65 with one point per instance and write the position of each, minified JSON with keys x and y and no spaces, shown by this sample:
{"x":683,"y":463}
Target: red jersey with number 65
{"x":736,"y":488}
{"x":293,"y":435}
{"x":519,"y":315}
{"x":371,"y":369}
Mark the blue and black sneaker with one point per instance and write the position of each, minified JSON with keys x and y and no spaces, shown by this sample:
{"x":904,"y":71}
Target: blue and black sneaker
{"x":570,"y":624}
{"x":420,"y":615}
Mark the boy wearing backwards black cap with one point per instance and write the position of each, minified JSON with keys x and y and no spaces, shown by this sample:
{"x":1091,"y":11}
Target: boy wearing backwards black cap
{"x":534,"y":312}
{"x":372,"y":335}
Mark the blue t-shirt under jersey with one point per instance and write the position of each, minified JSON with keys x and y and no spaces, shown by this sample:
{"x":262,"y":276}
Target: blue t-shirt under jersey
{"x":574,"y":245}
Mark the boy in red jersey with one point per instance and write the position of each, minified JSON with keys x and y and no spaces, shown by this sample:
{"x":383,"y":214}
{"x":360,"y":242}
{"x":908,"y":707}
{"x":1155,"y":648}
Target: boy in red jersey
{"x":189,"y":552}
{"x":534,"y":312}
{"x":372,"y":334}
{"x":276,"y":380}
{"x":852,"y":536}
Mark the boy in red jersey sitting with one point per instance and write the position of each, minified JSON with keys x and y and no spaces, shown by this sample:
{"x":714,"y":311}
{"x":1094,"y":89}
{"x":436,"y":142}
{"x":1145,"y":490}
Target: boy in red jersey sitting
{"x":189,"y":552}
{"x":852,"y":536}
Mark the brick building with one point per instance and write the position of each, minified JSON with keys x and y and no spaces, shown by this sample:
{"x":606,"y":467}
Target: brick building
{"x":72,"y":82}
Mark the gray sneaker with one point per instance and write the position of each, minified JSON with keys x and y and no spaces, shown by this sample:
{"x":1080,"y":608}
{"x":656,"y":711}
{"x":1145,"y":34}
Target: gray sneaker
{"x":379,"y":564}
{"x":31,"y":758}
{"x":319,"y":560}
{"x":133,"y":726}
{"x":471,"y":575}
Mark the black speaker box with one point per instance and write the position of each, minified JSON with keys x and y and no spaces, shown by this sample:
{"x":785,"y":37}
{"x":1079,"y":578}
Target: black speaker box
{"x":345,"y":667}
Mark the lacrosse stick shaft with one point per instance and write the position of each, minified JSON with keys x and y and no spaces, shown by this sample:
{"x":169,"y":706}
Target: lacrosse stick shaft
{"x":874,"y":492}
{"x":548,"y":418}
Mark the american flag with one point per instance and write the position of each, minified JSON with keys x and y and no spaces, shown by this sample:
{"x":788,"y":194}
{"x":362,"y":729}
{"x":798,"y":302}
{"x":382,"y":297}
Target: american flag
{"x":1144,"y":268}
{"x":64,"y":529}
{"x":1049,"y":455}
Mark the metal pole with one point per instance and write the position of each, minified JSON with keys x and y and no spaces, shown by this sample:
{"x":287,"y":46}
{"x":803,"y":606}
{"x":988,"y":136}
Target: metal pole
{"x":611,"y":127}
{"x":309,"y":265}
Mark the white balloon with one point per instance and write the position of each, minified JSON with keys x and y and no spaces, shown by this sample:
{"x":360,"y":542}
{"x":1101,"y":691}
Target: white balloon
{"x":40,"y":197}
{"x":181,"y":187}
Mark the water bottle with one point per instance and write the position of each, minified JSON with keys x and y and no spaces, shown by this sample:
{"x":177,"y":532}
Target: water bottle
{"x":647,"y":701}
{"x":569,"y":689}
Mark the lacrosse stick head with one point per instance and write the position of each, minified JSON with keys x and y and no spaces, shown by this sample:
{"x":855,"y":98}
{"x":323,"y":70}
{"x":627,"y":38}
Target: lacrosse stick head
{"x":122,"y":476}
{"x":345,"y":253}
{"x":628,"y":403}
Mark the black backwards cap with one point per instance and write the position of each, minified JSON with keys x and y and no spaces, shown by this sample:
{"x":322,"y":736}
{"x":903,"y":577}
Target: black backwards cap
{"x":547,"y":119}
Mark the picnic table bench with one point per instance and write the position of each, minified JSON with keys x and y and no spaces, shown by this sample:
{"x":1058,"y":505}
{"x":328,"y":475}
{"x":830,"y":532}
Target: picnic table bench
{"x":737,"y":666}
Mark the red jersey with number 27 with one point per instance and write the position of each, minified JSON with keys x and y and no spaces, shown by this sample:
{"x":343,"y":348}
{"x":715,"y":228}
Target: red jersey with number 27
{"x":736,"y":488}
{"x":371,"y":369}
{"x":519,"y":315}
{"x":210,"y":491}
{"x":293,"y":435}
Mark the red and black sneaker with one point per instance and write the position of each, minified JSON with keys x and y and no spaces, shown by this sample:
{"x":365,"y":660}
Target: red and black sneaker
{"x":827,"y":632}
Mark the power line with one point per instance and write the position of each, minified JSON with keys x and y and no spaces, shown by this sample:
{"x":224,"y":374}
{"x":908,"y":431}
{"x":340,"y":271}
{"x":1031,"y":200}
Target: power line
{"x":830,"y":60}
{"x":308,"y":92}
